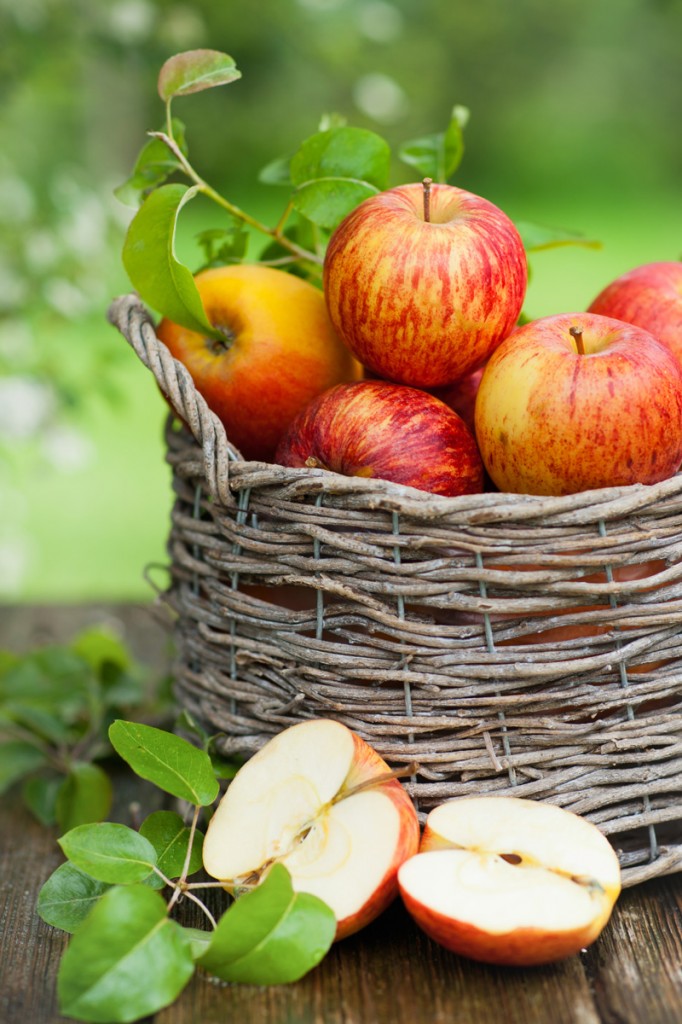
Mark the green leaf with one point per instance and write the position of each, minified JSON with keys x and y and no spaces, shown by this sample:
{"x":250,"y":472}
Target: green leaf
{"x":335,"y":170}
{"x":84,"y":796}
{"x":18,"y":759}
{"x":149,"y":259}
{"x":39,"y":793}
{"x":68,"y":896}
{"x":153,"y":166}
{"x":224,"y":245}
{"x":99,"y":647}
{"x":536,"y":237}
{"x":276,"y":172}
{"x":271,"y":936}
{"x":127,"y":960}
{"x":169,"y":836}
{"x":195,"y":70}
{"x":53,"y":679}
{"x":170,"y":762}
{"x":109,"y":852}
{"x":439,"y":155}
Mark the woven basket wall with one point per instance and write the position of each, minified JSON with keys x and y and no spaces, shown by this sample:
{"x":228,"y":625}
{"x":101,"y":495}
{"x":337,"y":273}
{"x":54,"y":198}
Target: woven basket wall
{"x":414,"y":619}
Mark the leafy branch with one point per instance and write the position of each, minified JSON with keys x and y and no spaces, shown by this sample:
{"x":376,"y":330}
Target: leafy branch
{"x":128,"y":956}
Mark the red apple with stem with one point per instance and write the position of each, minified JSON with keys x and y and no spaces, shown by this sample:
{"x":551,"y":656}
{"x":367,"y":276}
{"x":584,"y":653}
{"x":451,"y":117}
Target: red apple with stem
{"x":277,"y":351}
{"x":423,"y":281}
{"x":649,"y":296}
{"x":319,"y":800}
{"x":579,"y":401}
{"x":388,"y":431}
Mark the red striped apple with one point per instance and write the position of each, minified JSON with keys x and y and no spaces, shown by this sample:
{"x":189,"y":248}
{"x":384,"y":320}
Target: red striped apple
{"x":319,"y":800}
{"x":389,"y":431}
{"x":579,"y":401}
{"x":649,"y":296}
{"x":510,"y":881}
{"x":423,"y":281}
{"x":278,"y":351}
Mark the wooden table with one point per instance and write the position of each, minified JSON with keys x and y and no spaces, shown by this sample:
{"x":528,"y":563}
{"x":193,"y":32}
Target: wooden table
{"x":388,"y":974}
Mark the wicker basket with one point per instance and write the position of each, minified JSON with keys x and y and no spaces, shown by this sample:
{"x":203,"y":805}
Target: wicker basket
{"x":414,"y":619}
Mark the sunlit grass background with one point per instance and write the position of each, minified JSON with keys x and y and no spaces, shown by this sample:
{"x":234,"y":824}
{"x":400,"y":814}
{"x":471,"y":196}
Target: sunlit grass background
{"x":575,"y":124}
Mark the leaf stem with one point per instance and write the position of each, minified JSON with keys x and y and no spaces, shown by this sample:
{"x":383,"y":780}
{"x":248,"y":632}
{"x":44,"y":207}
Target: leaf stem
{"x":235,"y":211}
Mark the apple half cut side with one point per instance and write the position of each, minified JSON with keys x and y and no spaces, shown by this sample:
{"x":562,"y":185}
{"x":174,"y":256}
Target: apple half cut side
{"x":506,"y":880}
{"x":320,"y":800}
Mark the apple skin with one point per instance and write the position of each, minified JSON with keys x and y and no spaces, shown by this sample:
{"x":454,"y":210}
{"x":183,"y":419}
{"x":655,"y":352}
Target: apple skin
{"x":551,"y":421}
{"x":387,"y":431}
{"x":280,"y":351}
{"x":649,"y":296}
{"x":424,"y":302}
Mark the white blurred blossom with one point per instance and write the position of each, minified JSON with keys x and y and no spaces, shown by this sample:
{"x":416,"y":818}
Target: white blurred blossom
{"x":182,"y":27}
{"x":41,"y":250}
{"x":26,"y":405}
{"x":13,"y":288}
{"x":380,"y":97}
{"x":15,"y":558}
{"x":17,"y":343}
{"x":65,"y":297}
{"x":67,"y":449}
{"x":380,"y":21}
{"x":131,"y":21}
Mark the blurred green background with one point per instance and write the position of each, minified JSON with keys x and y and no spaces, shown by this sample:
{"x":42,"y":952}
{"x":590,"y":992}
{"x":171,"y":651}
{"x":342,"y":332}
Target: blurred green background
{"x":575,"y":123}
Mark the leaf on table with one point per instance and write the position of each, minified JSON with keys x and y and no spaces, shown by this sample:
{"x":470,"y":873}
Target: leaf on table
{"x":18,"y":759}
{"x":270,"y":936}
{"x":169,"y":836}
{"x":127,"y":959}
{"x":151,"y":264}
{"x":68,"y":896}
{"x":84,"y":796}
{"x":438,"y":156}
{"x":170,"y":762}
{"x":195,"y":70}
{"x":109,"y":852}
{"x":334,"y":170}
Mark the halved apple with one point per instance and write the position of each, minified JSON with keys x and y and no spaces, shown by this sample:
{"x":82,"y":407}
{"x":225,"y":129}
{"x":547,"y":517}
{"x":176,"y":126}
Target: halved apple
{"x":512,"y":881}
{"x":320,"y":800}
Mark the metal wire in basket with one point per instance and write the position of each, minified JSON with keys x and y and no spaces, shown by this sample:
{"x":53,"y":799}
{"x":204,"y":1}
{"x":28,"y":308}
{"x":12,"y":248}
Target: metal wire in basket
{"x":506,"y":644}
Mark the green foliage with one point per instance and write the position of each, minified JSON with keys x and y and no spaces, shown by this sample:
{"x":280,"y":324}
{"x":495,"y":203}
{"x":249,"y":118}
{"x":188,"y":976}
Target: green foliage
{"x":128,"y":957}
{"x":56,"y":706}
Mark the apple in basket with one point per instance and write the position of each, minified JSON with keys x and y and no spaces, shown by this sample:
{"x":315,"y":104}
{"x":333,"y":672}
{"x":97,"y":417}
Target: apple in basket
{"x":511,"y":881}
{"x":319,"y":800}
{"x":423,"y":281}
{"x":649,"y":296}
{"x":279,"y":350}
{"x":389,"y":431}
{"x":578,"y":401}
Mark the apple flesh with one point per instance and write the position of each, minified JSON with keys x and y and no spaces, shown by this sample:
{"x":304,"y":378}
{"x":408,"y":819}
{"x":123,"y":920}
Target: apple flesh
{"x":551,"y":419}
{"x":388,"y":431}
{"x":320,"y":800}
{"x":279,"y":350}
{"x":511,"y":881}
{"x":649,"y":296}
{"x":422,"y":291}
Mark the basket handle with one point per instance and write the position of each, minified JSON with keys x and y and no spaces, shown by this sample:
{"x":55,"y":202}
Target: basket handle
{"x":133,"y":320}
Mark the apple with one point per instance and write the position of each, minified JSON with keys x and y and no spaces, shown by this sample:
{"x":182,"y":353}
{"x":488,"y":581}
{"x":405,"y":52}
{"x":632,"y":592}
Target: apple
{"x":279,"y":350}
{"x":507,"y":880}
{"x":390,"y":431}
{"x":320,"y":800}
{"x":649,"y":296}
{"x":578,"y":401}
{"x":461,"y":396}
{"x":423,"y":281}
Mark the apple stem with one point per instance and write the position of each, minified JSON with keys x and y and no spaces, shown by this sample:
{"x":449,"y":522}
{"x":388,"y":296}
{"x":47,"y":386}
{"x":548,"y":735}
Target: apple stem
{"x":378,"y":780}
{"x":312,"y":462}
{"x":426,"y":185}
{"x":577,"y":334}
